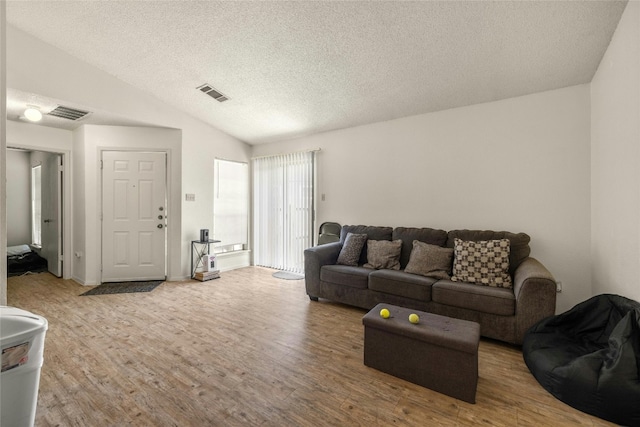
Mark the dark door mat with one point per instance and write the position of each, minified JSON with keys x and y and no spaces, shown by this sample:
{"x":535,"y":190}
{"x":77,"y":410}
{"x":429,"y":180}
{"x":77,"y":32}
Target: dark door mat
{"x":123,"y":287}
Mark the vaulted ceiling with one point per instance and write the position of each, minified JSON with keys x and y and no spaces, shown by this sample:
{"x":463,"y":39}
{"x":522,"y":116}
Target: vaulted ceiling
{"x":297,"y":68}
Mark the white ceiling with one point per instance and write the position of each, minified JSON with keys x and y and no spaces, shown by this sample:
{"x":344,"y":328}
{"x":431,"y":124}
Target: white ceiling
{"x":298,"y":68}
{"x":17,"y":100}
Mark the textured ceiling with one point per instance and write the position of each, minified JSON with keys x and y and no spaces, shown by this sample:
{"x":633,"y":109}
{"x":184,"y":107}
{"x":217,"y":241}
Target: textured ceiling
{"x":298,"y":68}
{"x":17,"y":100}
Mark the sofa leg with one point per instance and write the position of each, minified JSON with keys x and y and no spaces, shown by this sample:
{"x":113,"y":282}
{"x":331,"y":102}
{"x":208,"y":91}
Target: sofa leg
{"x":312,"y":298}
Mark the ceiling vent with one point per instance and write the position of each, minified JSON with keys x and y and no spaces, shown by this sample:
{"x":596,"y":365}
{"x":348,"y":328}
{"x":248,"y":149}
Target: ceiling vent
{"x":214,"y":93}
{"x":67,"y":113}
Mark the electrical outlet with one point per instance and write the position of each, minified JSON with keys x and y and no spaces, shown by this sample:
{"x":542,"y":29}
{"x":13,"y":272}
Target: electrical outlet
{"x":323,"y":197}
{"x":190,"y":197}
{"x":558,"y":286}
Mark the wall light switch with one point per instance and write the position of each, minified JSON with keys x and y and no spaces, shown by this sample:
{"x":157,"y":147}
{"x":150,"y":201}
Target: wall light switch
{"x":190,"y":197}
{"x":323,"y":197}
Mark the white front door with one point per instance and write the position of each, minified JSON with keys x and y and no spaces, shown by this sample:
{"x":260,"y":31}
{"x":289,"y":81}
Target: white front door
{"x":52,"y":213}
{"x":134,"y":216}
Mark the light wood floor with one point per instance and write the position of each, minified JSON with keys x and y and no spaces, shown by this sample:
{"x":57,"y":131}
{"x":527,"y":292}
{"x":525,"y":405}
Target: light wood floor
{"x":246,"y":349}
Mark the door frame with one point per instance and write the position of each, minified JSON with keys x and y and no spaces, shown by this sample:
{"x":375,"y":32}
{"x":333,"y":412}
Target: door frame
{"x":169,"y":211}
{"x":67,"y":204}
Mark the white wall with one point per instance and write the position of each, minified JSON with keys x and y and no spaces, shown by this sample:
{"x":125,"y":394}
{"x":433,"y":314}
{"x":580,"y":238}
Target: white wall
{"x":37,"y":67}
{"x":521,"y":164}
{"x":615,"y":144}
{"x":36,"y":137}
{"x":18,"y":198}
{"x":3,"y":150}
{"x":91,"y":141}
{"x":79,"y":212}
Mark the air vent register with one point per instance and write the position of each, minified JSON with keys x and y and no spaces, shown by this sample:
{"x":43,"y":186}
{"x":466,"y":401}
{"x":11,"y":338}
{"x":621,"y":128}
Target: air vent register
{"x":214,"y":93}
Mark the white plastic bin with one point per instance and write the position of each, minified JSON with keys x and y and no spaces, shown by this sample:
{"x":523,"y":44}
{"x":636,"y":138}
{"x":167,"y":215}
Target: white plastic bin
{"x":22,"y":343}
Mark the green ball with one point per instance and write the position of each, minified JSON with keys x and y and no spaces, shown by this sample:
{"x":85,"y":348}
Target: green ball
{"x":414,"y":318}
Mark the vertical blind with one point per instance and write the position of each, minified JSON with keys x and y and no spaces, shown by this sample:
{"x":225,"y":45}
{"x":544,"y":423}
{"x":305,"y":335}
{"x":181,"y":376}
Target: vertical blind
{"x":283,"y":210}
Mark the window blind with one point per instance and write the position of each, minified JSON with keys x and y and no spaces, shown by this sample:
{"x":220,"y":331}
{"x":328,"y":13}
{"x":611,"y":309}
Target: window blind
{"x":283,"y":210}
{"x":230,"y":206}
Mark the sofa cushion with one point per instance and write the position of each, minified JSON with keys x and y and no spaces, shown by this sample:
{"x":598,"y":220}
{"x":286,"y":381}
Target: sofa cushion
{"x":430,"y":260}
{"x":372,"y":232}
{"x":345,"y":275}
{"x":383,"y":254}
{"x":485,"y":299}
{"x":484,"y":263}
{"x":351,"y":249}
{"x":401,"y":284}
{"x":519,"y":243}
{"x":409,"y":234}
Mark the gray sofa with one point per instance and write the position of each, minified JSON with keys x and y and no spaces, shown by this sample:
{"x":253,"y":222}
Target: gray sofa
{"x":504,"y":314}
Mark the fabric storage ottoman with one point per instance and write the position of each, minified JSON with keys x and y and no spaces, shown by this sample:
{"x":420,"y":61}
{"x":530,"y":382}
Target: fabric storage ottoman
{"x":439,"y":352}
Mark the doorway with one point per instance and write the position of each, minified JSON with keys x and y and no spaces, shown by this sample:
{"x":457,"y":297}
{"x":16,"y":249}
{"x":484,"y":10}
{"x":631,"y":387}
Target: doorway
{"x":37,"y":209}
{"x":134,"y":216}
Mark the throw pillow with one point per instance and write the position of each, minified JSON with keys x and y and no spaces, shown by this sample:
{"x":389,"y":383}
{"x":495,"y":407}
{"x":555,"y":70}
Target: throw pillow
{"x":351,"y":249}
{"x":430,"y":260}
{"x":484,"y":262}
{"x":383,"y":254}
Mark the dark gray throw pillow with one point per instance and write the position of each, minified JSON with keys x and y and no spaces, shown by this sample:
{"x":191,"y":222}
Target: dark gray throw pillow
{"x":430,"y":260}
{"x":351,"y":249}
{"x":383,"y":254}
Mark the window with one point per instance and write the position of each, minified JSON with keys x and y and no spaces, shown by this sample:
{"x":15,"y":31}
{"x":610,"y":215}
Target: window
{"x":36,"y":205}
{"x":231,"y":205}
{"x":283,"y":190}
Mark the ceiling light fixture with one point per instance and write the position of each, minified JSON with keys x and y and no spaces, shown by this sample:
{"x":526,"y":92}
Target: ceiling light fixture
{"x":32,"y":114}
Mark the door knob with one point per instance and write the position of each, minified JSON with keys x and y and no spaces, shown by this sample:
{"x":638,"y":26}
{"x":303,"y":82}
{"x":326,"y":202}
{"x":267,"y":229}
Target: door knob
{"x":159,"y":225}
{"x":47,"y":220}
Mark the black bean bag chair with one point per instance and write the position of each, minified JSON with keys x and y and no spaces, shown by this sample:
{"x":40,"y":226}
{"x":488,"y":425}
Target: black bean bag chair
{"x":589,"y":357}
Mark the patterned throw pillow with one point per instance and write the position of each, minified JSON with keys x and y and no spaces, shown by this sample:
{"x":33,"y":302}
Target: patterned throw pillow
{"x":484,"y":262}
{"x":351,"y":249}
{"x":430,"y":260}
{"x":383,"y":254}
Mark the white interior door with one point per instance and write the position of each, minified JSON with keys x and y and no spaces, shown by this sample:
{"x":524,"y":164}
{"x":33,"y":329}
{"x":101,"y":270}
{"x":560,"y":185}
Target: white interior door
{"x":52,"y":213}
{"x":134,"y":216}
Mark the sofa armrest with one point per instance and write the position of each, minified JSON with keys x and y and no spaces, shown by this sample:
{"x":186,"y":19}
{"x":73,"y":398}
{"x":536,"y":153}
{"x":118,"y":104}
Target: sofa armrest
{"x":314,"y":259}
{"x":535,"y":291}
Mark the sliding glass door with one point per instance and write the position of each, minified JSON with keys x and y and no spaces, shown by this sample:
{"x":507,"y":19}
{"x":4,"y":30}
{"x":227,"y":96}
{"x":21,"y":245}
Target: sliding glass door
{"x":283,"y":210}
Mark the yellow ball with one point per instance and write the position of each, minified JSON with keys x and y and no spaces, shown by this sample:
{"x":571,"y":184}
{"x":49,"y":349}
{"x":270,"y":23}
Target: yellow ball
{"x":384,"y":313}
{"x":414,"y":318}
